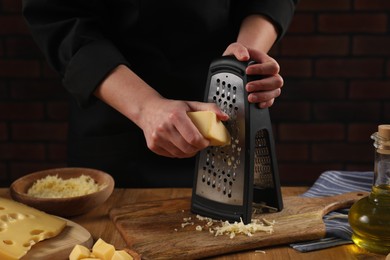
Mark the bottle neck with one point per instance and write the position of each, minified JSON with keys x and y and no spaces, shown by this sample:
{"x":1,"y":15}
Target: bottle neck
{"x":382,"y":161}
{"x":382,"y":169}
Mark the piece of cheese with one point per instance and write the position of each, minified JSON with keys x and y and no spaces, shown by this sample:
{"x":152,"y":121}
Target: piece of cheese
{"x":210,"y":127}
{"x":121,"y":255}
{"x":79,"y":252}
{"x":103,"y":250}
{"x":22,"y":226}
{"x":100,"y":251}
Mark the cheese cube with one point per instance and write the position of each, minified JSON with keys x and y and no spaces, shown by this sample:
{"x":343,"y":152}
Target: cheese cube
{"x":103,"y":250}
{"x":79,"y":252}
{"x":121,"y":255}
{"x":210,"y":127}
{"x":22,"y":226}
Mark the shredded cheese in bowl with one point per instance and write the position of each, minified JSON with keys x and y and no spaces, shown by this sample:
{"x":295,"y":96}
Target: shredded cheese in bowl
{"x":54,"y":187}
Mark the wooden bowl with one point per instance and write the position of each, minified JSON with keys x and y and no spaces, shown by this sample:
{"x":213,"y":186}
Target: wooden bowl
{"x":64,"y":207}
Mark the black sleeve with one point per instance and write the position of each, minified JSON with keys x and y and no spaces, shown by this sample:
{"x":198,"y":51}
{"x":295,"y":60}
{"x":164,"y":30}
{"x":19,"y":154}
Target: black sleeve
{"x":280,"y":12}
{"x":69,"y":36}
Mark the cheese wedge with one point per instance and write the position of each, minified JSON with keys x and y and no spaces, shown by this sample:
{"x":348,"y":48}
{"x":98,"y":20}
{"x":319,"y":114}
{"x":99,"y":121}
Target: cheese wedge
{"x":22,"y":226}
{"x":79,"y":252}
{"x":210,"y":127}
{"x":103,"y":250}
{"x":121,"y":255}
{"x":100,"y":251}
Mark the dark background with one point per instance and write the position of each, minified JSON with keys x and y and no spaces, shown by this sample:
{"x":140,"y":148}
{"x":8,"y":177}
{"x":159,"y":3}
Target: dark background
{"x":334,"y":60}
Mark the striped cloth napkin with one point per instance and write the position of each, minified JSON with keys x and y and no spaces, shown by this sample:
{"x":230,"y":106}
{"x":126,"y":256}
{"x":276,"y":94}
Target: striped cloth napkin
{"x":338,"y":231}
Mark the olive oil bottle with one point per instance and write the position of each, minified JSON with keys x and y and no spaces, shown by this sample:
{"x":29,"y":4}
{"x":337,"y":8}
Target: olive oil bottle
{"x":370,"y":217}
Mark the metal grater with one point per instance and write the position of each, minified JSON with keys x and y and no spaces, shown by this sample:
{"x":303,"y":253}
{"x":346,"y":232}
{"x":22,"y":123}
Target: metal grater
{"x":229,"y":180}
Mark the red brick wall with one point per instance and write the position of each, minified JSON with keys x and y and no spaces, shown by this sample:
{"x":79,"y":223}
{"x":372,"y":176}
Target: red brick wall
{"x":334,"y":60}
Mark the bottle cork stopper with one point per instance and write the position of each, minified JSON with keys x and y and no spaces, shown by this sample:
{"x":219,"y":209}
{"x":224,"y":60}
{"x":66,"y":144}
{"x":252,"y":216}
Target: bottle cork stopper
{"x":384,"y":131}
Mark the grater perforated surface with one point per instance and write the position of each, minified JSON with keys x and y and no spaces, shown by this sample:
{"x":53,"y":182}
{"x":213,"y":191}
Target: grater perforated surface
{"x":263,"y":177}
{"x":221,"y":169}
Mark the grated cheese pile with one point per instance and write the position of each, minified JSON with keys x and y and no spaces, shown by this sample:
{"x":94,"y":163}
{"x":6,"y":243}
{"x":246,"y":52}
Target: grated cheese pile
{"x":231,"y":229}
{"x":54,"y":187}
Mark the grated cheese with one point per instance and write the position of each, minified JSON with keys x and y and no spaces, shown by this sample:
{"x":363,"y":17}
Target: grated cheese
{"x":54,"y":187}
{"x":232,"y":229}
{"x":219,"y":228}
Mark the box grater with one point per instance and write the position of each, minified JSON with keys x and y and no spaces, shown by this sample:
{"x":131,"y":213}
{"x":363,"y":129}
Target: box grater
{"x":230,"y":180}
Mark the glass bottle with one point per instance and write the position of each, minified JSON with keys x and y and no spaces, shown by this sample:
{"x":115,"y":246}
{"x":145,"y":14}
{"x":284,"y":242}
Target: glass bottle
{"x":370,"y":216}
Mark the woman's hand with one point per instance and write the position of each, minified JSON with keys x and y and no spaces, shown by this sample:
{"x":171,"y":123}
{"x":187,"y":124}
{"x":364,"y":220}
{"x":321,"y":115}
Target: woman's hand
{"x":170,"y":132}
{"x":265,"y":90}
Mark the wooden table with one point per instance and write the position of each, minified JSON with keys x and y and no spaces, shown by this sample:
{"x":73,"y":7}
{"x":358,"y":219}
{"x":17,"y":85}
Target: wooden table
{"x":99,"y":225}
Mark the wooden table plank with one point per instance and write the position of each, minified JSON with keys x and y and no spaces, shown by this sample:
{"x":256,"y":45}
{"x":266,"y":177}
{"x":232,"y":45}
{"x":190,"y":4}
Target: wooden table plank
{"x":99,"y":225}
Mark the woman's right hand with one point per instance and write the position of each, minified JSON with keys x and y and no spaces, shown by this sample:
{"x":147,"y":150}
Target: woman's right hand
{"x":170,"y":132}
{"x":167,"y":128}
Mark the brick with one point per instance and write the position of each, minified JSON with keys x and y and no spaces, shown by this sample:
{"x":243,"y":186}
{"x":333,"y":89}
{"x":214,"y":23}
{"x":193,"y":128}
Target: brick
{"x":39,"y":131}
{"x":361,"y":132}
{"x":3,"y":131}
{"x":3,"y":90}
{"x":22,"y":47}
{"x":379,"y":5}
{"x":57,"y":152}
{"x":341,"y":152}
{"x":361,"y":167}
{"x":370,"y":89}
{"x":316,"y":45}
{"x":386,"y":113}
{"x":388,"y":69}
{"x":22,"y":151}
{"x":295,"y":67}
{"x":311,"y":132}
{"x":4,"y":176}
{"x":37,"y":89}
{"x":352,"y":23}
{"x":11,"y":6}
{"x":320,"y":5}
{"x":19,"y":169}
{"x":304,"y":173}
{"x":2,"y":52}
{"x":19,"y":68}
{"x":316,"y":89}
{"x":58,"y":110}
{"x":21,"y":111}
{"x":13,"y":24}
{"x":302,"y":23}
{"x":371,"y":45}
{"x":349,"y":68}
{"x":347,"y":111}
{"x":292,"y":152}
{"x":297,"y":111}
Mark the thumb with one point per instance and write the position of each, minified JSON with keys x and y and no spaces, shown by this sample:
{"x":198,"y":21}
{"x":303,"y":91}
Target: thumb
{"x":238,"y":50}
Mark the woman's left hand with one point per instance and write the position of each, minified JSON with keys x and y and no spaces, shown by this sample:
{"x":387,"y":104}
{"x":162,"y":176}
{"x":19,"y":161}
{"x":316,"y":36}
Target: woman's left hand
{"x":264,"y":90}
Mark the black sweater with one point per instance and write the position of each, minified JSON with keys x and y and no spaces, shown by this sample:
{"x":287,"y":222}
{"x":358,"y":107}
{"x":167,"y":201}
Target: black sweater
{"x":169,"y":44}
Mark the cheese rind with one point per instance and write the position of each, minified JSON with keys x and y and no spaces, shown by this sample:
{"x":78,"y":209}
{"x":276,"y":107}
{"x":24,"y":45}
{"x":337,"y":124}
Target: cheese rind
{"x":22,"y":226}
{"x":103,"y":250}
{"x":210,"y":127}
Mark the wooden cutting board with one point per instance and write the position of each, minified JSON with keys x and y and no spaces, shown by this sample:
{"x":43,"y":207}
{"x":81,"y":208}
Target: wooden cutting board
{"x":153,"y":229}
{"x":59,"y":247}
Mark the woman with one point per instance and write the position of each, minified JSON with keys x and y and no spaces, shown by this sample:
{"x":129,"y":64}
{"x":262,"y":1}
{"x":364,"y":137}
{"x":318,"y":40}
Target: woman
{"x":134,"y":68}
